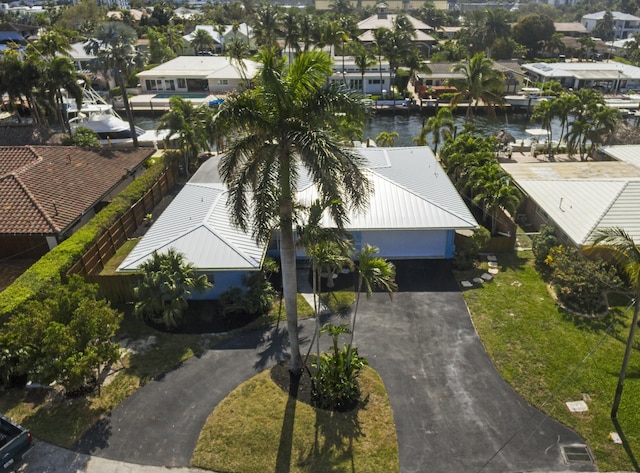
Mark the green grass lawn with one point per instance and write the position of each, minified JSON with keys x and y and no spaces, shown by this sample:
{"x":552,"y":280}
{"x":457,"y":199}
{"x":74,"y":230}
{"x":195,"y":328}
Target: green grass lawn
{"x":258,"y":427}
{"x":550,"y":356}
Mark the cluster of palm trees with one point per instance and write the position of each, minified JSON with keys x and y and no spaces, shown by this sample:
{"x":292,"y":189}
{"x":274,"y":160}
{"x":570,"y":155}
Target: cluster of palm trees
{"x":472,"y":165}
{"x":37,"y":78}
{"x":585,"y":120}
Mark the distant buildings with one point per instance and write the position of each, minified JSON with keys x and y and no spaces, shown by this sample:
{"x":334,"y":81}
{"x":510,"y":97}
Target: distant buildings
{"x":624,"y":25}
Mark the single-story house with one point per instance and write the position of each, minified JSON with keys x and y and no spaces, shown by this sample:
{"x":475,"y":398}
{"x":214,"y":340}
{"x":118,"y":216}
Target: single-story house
{"x":577,"y":198}
{"x":578,"y":75}
{"x":413,"y":213}
{"x":48,"y":192}
{"x":212,"y":74}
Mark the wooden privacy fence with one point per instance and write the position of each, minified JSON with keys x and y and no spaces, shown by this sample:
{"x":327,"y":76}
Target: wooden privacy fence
{"x":95,"y":258}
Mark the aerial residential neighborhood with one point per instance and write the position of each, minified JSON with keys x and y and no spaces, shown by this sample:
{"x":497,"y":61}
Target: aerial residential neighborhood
{"x":332,"y":235}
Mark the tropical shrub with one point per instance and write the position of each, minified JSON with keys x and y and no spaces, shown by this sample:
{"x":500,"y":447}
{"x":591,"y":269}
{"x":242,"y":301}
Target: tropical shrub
{"x":541,"y":245}
{"x":163,"y":290}
{"x":82,"y":136}
{"x":64,"y":336}
{"x":256,"y":299}
{"x":580,"y":283}
{"x":467,"y":249}
{"x":335,"y":382}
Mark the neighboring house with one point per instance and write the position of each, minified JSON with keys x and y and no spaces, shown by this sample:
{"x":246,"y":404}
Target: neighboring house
{"x":16,"y":34}
{"x":383,"y":19}
{"x":392,"y":5}
{"x":346,"y":72}
{"x":213,"y":74}
{"x":624,"y":24}
{"x":578,"y":75}
{"x":48,"y":192}
{"x":413,"y":213}
{"x":243,"y":33}
{"x":573,"y":29}
{"x":578,"y":198}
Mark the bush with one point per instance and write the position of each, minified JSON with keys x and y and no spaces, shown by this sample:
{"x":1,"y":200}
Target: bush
{"x":581,"y":284}
{"x":256,"y":299}
{"x":469,"y":248}
{"x":335,"y":382}
{"x":542,"y":244}
{"x":64,"y":336}
{"x":82,"y":136}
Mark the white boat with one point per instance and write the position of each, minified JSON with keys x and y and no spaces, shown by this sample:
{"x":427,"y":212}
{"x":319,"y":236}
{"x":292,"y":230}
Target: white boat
{"x":97,"y":115}
{"x":528,"y":97}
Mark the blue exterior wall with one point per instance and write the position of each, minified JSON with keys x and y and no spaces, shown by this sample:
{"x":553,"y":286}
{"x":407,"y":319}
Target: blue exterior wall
{"x":223,"y":280}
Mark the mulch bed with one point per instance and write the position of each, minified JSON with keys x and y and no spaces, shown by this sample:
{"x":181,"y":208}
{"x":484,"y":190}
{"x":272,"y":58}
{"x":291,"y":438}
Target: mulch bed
{"x":281,"y":375}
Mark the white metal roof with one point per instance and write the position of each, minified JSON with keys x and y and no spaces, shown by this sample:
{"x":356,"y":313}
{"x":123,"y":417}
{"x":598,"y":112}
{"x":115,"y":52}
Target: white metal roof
{"x":627,"y":153}
{"x":410,"y":191}
{"x":201,"y":67}
{"x":585,"y":70}
{"x":196,"y":224}
{"x":615,"y":14}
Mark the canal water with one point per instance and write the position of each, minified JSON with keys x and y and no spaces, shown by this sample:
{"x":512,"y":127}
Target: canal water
{"x":408,"y":125}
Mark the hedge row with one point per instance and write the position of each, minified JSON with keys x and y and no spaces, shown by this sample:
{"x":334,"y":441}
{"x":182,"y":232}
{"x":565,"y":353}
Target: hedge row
{"x":52,"y":266}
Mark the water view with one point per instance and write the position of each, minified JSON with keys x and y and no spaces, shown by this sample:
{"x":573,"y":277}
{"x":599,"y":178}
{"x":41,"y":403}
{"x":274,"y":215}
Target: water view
{"x":408,"y":126}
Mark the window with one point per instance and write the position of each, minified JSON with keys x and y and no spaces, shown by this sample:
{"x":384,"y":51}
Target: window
{"x":375,"y":81}
{"x":223,"y":82}
{"x":153,"y":84}
{"x":182,"y":84}
{"x":169,"y":84}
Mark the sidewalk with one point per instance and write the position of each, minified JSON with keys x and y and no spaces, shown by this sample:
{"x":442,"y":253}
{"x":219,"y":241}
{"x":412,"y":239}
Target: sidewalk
{"x":47,"y":458}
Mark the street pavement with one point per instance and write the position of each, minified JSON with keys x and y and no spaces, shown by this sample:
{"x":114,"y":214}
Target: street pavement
{"x":453,"y":411}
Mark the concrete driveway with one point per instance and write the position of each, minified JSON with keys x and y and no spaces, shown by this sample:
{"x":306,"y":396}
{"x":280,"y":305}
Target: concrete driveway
{"x":453,"y":412}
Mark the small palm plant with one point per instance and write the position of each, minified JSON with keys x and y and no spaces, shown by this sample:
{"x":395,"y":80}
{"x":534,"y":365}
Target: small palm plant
{"x":162,"y":293}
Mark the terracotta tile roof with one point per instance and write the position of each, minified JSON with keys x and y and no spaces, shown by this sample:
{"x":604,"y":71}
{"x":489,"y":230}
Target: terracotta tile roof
{"x":45,"y":189}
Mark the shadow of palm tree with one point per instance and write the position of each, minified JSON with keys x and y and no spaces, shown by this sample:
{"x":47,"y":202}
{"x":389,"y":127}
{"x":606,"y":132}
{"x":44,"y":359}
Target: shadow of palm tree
{"x":332,"y":450}
{"x":283,"y":460}
{"x":625,"y":444}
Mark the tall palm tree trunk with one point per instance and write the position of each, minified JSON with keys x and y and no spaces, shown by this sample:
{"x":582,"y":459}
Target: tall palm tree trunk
{"x":625,"y":360}
{"x":288,"y":262}
{"x":127,"y":108}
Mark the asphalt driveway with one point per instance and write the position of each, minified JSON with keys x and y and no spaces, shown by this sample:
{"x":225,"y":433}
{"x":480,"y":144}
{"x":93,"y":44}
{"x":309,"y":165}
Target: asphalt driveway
{"x":453,"y":412}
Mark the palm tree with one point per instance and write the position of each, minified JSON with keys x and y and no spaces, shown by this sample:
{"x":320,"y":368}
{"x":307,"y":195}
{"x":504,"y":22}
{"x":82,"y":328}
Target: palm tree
{"x":626,"y":253}
{"x":386,"y":139}
{"x":373,"y":273}
{"x":162,"y":292}
{"x":201,"y":41}
{"x":380,"y":38}
{"x":291,"y":30}
{"x":319,"y":241}
{"x":493,"y":26}
{"x":421,"y":139}
{"x":113,"y":44}
{"x":481,"y":82}
{"x":363,"y":60}
{"x":284,"y":128}
{"x":188,"y":127}
{"x":51,"y":43}
{"x":490,"y":188}
{"x":440,"y":126}
{"x":266,"y":27}
{"x":546,"y":111}
{"x":60,"y":73}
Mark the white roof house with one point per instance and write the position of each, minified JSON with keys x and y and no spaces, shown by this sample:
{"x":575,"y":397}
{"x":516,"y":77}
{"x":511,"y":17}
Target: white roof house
{"x":579,"y":198}
{"x":624,"y":24}
{"x":585,"y":74}
{"x":413,"y":213}
{"x":214,"y":74}
{"x":196,"y":224}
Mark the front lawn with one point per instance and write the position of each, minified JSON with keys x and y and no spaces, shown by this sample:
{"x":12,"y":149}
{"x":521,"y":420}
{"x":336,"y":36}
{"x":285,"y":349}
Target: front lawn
{"x":551,"y":356}
{"x":259,"y":427}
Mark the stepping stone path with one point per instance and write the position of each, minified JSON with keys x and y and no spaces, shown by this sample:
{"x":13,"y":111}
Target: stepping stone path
{"x":466,"y":284}
{"x":493,"y":271}
{"x":487,"y":277}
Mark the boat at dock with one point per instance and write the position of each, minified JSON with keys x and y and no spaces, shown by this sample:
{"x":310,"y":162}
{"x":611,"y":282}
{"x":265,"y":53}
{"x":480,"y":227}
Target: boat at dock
{"x":528,"y":97}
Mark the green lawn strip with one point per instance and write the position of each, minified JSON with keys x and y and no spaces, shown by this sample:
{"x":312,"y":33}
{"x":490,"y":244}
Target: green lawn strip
{"x":539,"y":348}
{"x":259,"y":428}
{"x":113,"y":263}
